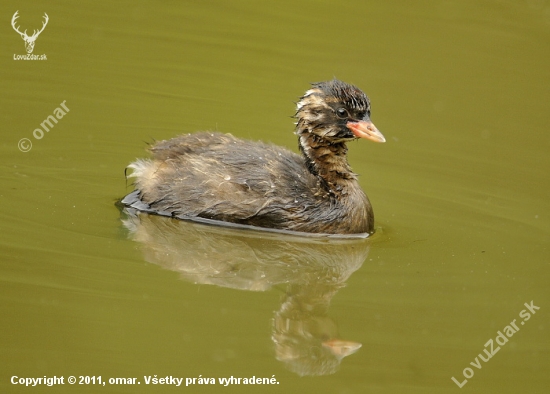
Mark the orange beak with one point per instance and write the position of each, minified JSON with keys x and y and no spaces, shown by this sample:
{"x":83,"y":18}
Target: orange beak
{"x":366,"y":129}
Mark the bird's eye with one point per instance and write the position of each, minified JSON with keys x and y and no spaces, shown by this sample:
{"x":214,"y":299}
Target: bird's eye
{"x":342,"y":113}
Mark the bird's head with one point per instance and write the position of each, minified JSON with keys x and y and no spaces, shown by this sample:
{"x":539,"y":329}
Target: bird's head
{"x":335,"y":112}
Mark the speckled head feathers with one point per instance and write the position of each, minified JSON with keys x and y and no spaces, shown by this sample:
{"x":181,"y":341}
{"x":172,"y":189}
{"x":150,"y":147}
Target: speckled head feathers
{"x":327,"y":107}
{"x":347,"y":94}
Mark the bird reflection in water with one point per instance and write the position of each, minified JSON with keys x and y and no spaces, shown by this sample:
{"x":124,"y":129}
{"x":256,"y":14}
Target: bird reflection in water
{"x":313,"y":269}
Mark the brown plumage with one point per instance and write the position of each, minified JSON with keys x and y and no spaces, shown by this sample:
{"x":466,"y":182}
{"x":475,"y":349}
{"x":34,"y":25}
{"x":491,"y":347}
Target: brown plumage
{"x":219,"y":177}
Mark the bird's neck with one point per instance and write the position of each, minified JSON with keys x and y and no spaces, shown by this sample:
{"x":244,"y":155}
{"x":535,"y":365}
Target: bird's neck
{"x":327,"y":161}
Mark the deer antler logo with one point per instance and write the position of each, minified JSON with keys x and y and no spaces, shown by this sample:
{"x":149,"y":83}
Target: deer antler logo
{"x":29,"y":41}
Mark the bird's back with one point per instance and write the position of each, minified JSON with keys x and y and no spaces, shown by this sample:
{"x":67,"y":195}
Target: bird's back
{"x":220,"y":177}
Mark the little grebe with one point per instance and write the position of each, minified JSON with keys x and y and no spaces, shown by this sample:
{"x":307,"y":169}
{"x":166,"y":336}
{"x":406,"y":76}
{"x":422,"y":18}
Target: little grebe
{"x":219,"y":177}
